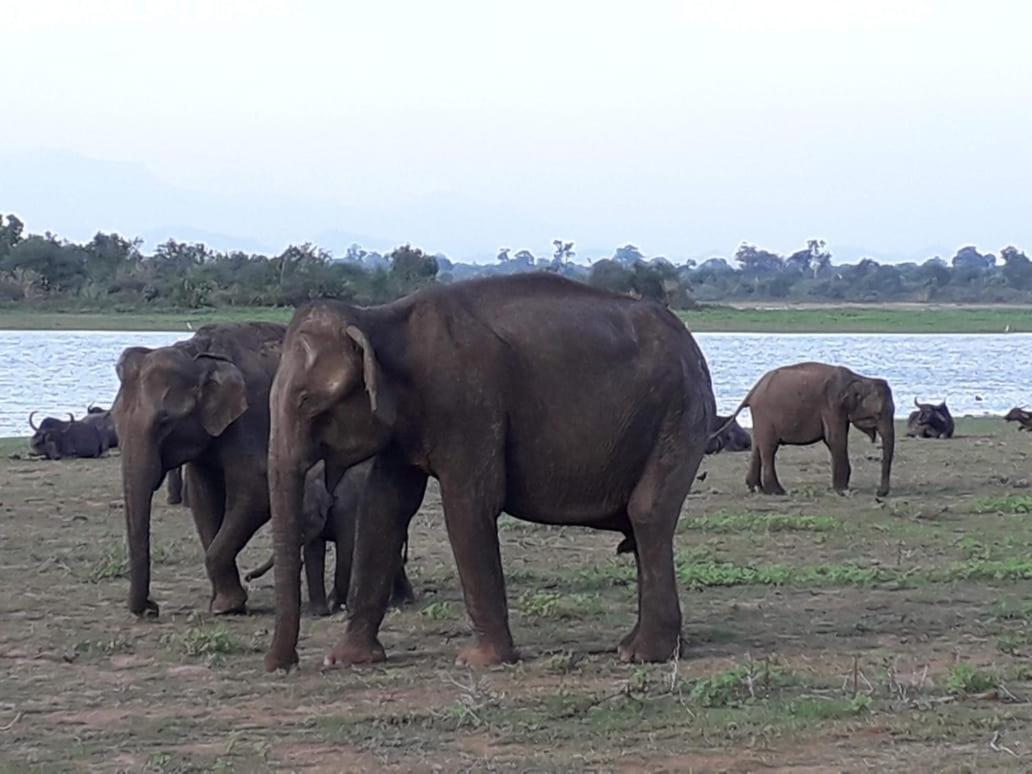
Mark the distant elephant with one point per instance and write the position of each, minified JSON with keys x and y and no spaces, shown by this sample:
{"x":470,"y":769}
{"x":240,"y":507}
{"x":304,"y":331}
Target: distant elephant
{"x":105,"y":424}
{"x":331,"y":518}
{"x":203,"y":402}
{"x":729,"y":436}
{"x":801,"y":404}
{"x":57,"y":439}
{"x":1022,"y":417}
{"x":531,"y":394}
{"x":931,"y":420}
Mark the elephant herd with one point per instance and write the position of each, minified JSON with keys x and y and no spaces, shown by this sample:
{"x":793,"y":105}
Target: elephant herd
{"x":332,"y":426}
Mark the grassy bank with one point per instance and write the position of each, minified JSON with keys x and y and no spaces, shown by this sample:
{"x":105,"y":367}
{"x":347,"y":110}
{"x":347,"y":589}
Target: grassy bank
{"x":852,"y":319}
{"x":819,"y":630}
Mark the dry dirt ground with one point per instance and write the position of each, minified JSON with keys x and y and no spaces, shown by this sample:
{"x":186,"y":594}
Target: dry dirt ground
{"x":821,"y":633}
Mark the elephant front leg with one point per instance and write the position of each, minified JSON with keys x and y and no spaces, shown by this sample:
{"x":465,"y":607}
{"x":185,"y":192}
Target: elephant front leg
{"x":472,"y":525}
{"x":392,"y":495}
{"x":242,"y":520}
{"x":840,"y":467}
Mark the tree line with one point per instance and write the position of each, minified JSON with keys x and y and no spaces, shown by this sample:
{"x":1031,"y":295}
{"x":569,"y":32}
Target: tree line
{"x":112,"y":271}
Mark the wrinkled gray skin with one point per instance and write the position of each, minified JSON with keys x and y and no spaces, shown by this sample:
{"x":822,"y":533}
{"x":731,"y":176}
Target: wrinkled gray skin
{"x":58,"y":439}
{"x":930,"y":420}
{"x":728,"y":436}
{"x":327,"y":519}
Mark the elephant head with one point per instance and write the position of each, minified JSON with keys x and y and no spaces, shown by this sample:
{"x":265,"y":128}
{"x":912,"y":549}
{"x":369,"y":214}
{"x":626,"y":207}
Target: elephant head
{"x":869,"y":407}
{"x":171,"y":403}
{"x":330,"y":383}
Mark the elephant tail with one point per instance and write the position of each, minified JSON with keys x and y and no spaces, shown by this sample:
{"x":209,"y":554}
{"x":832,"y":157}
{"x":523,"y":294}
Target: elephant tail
{"x":258,"y":572}
{"x":730,"y":420}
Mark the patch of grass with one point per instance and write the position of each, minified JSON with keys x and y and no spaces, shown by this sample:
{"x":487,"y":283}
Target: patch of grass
{"x":539,"y":604}
{"x":1007,"y":504}
{"x":964,"y":678}
{"x":762,"y":522}
{"x":1013,"y":643}
{"x":1012,"y":610}
{"x":210,"y":640}
{"x":115,"y":645}
{"x":113,"y":563}
{"x":829,"y":709}
{"x":438,"y":611}
{"x":745,"y":682}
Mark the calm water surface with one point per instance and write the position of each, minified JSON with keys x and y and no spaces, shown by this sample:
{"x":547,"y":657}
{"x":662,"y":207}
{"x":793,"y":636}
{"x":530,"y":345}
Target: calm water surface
{"x":60,"y":371}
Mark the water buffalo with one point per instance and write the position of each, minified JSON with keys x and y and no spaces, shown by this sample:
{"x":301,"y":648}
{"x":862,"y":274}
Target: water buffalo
{"x":1022,"y":417}
{"x":56,"y":439}
{"x":730,"y":437}
{"x":930,"y":420}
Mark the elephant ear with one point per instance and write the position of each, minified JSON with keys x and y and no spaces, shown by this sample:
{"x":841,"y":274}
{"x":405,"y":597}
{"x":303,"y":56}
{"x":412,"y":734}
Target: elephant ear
{"x":852,"y":396}
{"x":128,"y":365}
{"x":223,"y":394}
{"x":381,"y":400}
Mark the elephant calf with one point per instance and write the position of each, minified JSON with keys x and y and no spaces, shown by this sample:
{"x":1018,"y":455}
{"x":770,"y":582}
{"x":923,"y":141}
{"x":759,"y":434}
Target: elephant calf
{"x":331,"y":518}
{"x":930,"y":420}
{"x":801,"y":404}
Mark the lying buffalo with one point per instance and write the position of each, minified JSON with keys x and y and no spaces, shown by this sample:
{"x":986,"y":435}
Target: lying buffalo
{"x":1022,"y":417}
{"x":56,"y":439}
{"x":930,"y":420}
{"x":732,"y":438}
{"x":105,"y":424}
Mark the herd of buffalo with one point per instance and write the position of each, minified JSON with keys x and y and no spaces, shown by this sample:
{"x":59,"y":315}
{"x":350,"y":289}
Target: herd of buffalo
{"x":331,"y":427}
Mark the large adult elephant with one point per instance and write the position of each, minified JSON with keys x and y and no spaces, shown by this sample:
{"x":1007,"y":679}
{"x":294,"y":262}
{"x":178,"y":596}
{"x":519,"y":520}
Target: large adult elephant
{"x":203,"y":401}
{"x":530,"y":394}
{"x":801,"y":404}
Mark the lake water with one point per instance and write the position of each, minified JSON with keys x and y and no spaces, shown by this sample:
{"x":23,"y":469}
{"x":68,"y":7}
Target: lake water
{"x":60,"y":371}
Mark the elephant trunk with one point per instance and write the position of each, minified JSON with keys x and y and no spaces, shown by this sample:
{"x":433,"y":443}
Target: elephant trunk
{"x":141,"y":475}
{"x":887,"y":431}
{"x":286,"y":492}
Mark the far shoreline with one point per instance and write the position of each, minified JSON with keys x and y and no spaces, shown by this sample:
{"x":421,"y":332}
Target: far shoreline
{"x":734,"y":317}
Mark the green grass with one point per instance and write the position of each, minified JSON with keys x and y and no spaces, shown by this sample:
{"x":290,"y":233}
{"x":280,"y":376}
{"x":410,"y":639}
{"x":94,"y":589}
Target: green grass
{"x":1008,"y":504}
{"x":964,"y":678}
{"x":20,"y":318}
{"x":723,"y":521}
{"x":860,"y":319}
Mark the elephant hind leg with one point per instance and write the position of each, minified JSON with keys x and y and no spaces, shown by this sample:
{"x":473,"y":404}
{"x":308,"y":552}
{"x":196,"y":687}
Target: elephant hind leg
{"x":653,"y":510}
{"x":752,"y":479}
{"x":765,"y":446}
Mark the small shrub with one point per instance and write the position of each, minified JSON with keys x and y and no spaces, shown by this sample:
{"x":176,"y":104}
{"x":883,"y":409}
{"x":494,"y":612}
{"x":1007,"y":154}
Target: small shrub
{"x":964,"y":679}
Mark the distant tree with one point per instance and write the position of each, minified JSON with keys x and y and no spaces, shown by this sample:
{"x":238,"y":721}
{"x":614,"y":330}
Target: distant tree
{"x":525,"y":258}
{"x":628,"y":255}
{"x":1017,"y":271}
{"x":107,"y":255}
{"x":10,"y":233}
{"x":563,"y":251}
{"x":753,"y":260}
{"x":610,"y":275}
{"x":970,"y":259}
{"x":411,"y":267}
{"x":503,"y":254}
{"x":59,"y":266}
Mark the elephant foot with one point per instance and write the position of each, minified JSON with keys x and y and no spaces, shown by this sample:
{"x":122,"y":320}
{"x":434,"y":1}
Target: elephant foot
{"x":346,"y":653}
{"x":275,"y":660}
{"x":485,"y":654}
{"x":149,"y":609}
{"x":231,"y":603}
{"x":883,"y":492}
{"x":775,"y":490}
{"x":318,"y":609}
{"x":753,"y":485}
{"x":639,"y":646}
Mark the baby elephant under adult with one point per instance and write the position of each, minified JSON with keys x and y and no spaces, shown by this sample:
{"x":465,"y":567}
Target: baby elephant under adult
{"x":801,"y":404}
{"x":327,"y":518}
{"x":530,"y":394}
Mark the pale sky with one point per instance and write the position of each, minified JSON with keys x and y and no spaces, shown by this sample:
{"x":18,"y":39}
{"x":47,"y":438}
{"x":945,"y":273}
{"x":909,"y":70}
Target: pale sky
{"x":893,"y":128}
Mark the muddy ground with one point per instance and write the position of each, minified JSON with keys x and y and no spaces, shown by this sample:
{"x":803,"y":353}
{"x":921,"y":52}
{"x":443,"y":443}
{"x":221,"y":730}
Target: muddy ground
{"x":821,"y":633}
